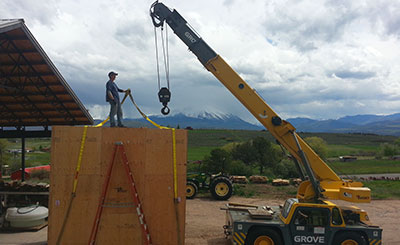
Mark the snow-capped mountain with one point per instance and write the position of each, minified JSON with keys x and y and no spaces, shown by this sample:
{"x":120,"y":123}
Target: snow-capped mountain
{"x":204,"y":120}
{"x":374,"y":124}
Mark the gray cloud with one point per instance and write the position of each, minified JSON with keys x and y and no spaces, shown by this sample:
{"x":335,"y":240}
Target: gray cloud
{"x":354,"y":74}
{"x":321,"y":59}
{"x":305,"y":25}
{"x":43,"y":14}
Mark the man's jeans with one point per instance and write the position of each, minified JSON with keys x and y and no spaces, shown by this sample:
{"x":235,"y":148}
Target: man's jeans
{"x":115,"y":110}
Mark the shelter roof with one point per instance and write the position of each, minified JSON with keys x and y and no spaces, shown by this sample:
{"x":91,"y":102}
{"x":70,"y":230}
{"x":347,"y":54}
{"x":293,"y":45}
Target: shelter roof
{"x":32,"y":90}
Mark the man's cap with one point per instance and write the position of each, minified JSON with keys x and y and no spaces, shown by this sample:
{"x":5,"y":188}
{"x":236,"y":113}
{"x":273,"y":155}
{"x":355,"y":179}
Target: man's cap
{"x":112,"y":73}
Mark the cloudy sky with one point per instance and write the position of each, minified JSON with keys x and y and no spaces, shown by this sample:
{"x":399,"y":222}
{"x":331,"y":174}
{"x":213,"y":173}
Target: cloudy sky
{"x":319,"y":59}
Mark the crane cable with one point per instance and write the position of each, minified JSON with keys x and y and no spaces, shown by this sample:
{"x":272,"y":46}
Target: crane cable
{"x":157,"y":63}
{"x":164,"y":93}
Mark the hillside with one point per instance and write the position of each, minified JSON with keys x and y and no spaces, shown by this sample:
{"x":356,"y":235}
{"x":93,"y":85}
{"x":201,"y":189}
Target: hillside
{"x":368,"y":124}
{"x":217,"y":138}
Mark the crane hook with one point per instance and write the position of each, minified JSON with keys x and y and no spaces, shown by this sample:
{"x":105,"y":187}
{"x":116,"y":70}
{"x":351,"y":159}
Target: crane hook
{"x":164,"y":95}
{"x":165,"y":110}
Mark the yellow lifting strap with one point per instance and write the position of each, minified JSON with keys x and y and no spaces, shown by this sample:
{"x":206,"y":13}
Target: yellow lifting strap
{"x":73,"y":194}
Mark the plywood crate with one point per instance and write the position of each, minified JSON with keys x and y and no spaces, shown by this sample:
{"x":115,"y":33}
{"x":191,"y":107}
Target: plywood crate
{"x":150,"y":156}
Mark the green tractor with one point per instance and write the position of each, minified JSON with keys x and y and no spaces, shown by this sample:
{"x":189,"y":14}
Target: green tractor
{"x":220,"y":185}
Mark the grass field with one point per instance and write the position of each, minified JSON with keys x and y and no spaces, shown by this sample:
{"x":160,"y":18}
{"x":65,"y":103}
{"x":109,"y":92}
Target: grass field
{"x":32,"y":159}
{"x":366,"y":167}
{"x":34,"y":143}
{"x":357,"y":150}
{"x":383,"y":189}
{"x":380,"y":189}
{"x":220,"y":137}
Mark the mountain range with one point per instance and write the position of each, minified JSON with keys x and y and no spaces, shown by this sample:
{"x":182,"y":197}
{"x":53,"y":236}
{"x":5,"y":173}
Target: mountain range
{"x":204,"y":120}
{"x":371,"y":124}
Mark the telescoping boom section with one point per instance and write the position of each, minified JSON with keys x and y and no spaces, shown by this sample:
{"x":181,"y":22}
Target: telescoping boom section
{"x":322,"y":181}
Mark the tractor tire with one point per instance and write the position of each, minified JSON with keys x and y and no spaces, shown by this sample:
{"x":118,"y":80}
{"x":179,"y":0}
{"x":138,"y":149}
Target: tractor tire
{"x":349,"y":238}
{"x":221,"y":188}
{"x":265,"y":236}
{"x":191,"y":189}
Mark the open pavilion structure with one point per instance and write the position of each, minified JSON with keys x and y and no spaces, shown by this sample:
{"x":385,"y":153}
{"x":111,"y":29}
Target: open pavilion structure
{"x":34,"y":96}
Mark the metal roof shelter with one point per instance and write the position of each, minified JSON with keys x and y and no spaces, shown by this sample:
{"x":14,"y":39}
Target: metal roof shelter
{"x":32,"y":90}
{"x":33,"y":93}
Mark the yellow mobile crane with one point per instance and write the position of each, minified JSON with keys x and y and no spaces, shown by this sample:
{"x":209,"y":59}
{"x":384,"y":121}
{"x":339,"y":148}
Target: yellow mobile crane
{"x":307,"y":219}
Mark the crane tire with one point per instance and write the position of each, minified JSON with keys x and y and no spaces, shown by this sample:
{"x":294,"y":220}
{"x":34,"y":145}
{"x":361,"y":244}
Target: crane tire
{"x":262,"y":235}
{"x":349,"y":238}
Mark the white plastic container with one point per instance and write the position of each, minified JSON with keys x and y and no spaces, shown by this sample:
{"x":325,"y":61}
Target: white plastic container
{"x":27,"y":217}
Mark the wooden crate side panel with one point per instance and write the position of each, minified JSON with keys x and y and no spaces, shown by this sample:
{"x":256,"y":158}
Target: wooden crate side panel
{"x":149,"y":152}
{"x":117,"y":228}
{"x":181,"y":143}
{"x":160,"y":189}
{"x":66,"y":142}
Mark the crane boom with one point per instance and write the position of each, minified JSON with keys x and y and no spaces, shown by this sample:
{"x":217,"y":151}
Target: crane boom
{"x":323,"y":182}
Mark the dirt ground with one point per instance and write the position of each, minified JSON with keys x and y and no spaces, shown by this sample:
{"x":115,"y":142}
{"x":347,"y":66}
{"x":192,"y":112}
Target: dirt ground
{"x":204,"y":221}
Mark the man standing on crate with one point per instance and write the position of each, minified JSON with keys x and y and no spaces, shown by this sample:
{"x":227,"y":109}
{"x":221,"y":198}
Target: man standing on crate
{"x":112,"y":97}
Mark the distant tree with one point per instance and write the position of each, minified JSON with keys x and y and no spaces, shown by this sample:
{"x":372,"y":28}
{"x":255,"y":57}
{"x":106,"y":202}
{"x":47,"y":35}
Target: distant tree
{"x":318,"y":145}
{"x":219,"y":160}
{"x":389,"y":150}
{"x":258,"y":152}
{"x":230,"y":146}
{"x":267,"y":155}
{"x":286,"y":169}
{"x":397,"y":142}
{"x":178,"y":127}
{"x":237,"y":167}
{"x":245,"y":152}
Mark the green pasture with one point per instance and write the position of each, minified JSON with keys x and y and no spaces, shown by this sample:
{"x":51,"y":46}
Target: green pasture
{"x":354,"y":150}
{"x":32,"y":143}
{"x":380,"y":189}
{"x":384,"y":189}
{"x":366,"y":167}
{"x":352,"y":139}
{"x":198,"y":152}
{"x":220,"y":137}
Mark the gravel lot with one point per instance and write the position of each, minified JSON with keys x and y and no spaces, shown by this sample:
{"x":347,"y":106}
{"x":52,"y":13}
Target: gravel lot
{"x":204,"y":219}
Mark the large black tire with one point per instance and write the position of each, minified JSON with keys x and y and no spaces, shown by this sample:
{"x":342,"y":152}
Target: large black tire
{"x":352,"y":238}
{"x":221,"y":188}
{"x":261,"y":235}
{"x":191,"y":189}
